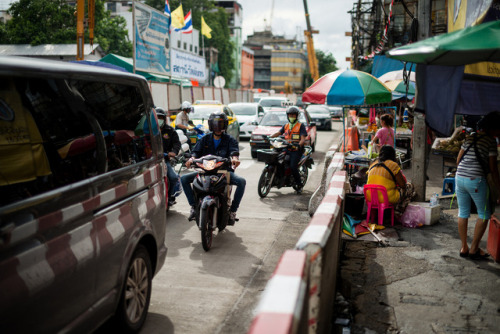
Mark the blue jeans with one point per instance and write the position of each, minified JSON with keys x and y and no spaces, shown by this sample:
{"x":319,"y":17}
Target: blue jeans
{"x":235,"y":180}
{"x":172,"y":181}
{"x":476,"y":189}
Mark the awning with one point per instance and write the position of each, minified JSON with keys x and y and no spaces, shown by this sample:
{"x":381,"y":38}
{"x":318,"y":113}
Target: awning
{"x":128,"y":64}
{"x":382,"y":65}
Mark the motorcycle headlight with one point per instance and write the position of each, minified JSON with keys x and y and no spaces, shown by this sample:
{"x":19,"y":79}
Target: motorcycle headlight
{"x":210,"y":164}
{"x":277,"y":144}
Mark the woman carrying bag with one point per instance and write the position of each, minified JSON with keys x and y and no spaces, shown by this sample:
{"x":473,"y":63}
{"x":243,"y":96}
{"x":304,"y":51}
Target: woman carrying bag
{"x":477,"y":158}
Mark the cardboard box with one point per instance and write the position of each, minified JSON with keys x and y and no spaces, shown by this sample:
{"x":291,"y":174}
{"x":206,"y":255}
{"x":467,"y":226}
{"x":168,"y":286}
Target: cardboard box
{"x":431,"y":212}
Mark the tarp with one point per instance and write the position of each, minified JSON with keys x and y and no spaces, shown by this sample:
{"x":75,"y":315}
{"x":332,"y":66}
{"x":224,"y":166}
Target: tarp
{"x":127,"y":63}
{"x":382,"y":65}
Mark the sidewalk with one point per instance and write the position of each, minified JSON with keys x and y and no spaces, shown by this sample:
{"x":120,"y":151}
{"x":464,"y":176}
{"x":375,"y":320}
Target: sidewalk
{"x":417,"y":283}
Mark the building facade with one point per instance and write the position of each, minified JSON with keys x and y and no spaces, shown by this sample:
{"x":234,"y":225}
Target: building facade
{"x":247,"y":68}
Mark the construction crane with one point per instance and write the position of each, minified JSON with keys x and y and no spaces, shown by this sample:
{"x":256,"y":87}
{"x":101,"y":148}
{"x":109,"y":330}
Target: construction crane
{"x":80,"y":23}
{"x":311,"y":54}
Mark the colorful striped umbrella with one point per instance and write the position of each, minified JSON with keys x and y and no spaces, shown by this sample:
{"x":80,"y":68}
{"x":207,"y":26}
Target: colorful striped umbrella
{"x":398,"y":89}
{"x":349,"y":88}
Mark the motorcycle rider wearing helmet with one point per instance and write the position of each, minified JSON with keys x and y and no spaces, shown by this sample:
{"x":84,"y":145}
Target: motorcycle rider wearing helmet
{"x":182,"y":119}
{"x":171,"y":147}
{"x":295,"y":132}
{"x":219,"y":143}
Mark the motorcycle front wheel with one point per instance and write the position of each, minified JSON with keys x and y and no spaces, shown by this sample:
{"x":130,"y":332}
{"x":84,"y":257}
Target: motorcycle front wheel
{"x":207,"y":228}
{"x":304,"y":174}
{"x":264,"y":185}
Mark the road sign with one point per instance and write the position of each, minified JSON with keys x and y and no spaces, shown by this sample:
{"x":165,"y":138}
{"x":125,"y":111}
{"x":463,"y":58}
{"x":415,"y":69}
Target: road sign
{"x":219,"y":82}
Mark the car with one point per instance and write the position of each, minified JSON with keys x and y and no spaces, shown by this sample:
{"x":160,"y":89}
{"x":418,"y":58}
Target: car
{"x":249,"y":115}
{"x":320,"y":114}
{"x":201,"y":113}
{"x":272,"y":122}
{"x":82,"y":197}
{"x":269,"y":102}
{"x":336,"y":111}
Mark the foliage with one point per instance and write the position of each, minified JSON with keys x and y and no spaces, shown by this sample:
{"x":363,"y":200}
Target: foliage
{"x":326,"y":62}
{"x":217,"y":19}
{"x":38,"y":22}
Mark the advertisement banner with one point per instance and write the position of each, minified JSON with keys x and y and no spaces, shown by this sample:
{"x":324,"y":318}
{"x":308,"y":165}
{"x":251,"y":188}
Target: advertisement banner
{"x":467,"y":13}
{"x":187,"y":65}
{"x":151,"y":40}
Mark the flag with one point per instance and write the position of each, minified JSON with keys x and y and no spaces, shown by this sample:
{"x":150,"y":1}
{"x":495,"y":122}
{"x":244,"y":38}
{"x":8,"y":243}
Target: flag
{"x":167,"y":8}
{"x":205,"y":29}
{"x":188,"y":24}
{"x":178,"y":18}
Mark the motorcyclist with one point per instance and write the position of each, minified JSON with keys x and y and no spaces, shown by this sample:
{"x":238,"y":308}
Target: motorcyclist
{"x":219,"y":143}
{"x":171,"y":147}
{"x":182,"y":120}
{"x":295,"y":132}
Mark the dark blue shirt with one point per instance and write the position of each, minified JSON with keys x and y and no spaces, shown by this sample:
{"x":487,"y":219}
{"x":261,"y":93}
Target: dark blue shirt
{"x":227,"y":148}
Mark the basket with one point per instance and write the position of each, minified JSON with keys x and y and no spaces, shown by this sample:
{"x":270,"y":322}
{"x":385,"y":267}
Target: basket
{"x":267,"y":156}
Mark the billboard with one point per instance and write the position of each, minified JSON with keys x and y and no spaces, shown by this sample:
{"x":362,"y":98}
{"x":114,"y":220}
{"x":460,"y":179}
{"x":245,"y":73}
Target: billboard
{"x":187,"y":65}
{"x":151,"y":40}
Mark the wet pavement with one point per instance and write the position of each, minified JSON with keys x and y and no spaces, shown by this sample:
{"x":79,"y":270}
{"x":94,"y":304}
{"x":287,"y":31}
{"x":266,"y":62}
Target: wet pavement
{"x":414,"y":281}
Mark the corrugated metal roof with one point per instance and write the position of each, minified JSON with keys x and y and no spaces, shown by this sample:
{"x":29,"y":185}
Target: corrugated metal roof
{"x":43,"y":50}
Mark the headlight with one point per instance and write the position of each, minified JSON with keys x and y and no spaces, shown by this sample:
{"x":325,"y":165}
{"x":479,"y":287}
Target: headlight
{"x":277,"y":144}
{"x":210,"y":164}
{"x":257,"y":137}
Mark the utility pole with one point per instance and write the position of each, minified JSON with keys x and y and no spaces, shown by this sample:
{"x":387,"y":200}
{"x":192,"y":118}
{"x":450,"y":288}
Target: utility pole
{"x":419,"y":127}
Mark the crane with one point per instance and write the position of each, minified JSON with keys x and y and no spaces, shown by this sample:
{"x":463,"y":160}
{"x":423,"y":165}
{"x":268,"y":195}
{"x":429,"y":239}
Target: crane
{"x":311,"y":54}
{"x":80,"y":19}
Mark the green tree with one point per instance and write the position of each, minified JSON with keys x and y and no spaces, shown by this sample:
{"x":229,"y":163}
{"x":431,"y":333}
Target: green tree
{"x":216,"y":18}
{"x":38,"y":22}
{"x":326,"y":62}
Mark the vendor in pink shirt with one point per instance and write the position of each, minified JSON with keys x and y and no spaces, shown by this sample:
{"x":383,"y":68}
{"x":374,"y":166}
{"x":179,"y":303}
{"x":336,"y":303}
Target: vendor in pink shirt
{"x":385,"y":135}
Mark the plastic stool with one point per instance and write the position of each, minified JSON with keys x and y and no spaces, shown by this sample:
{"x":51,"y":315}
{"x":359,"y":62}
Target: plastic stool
{"x":449,"y":186}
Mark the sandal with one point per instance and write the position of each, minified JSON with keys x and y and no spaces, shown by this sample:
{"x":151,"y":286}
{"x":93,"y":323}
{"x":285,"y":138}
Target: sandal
{"x":464,"y":254}
{"x":478,"y":256}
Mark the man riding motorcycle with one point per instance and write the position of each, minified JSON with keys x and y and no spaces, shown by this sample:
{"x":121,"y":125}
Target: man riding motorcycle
{"x":182,"y":119}
{"x":219,"y":143}
{"x":171,"y":147}
{"x":295,"y":132}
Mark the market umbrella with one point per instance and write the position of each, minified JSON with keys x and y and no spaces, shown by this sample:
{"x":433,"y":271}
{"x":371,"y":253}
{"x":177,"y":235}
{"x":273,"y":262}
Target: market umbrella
{"x":398,"y":88}
{"x":395,"y":75}
{"x":466,"y":46}
{"x":347,"y":87}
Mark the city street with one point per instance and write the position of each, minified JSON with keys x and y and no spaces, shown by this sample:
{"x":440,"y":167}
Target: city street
{"x":217,"y":291}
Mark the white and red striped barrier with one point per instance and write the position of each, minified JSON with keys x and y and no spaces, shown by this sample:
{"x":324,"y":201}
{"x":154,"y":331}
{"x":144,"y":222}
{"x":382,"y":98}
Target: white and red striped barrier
{"x":282,"y":302}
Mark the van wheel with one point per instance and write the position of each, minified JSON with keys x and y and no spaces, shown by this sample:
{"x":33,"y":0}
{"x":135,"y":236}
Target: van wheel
{"x":254,"y":154}
{"x":136,"y":293}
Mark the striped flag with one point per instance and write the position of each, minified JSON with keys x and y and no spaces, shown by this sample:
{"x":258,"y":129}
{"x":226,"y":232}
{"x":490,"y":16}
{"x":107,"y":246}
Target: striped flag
{"x":167,"y":8}
{"x":188,"y":24}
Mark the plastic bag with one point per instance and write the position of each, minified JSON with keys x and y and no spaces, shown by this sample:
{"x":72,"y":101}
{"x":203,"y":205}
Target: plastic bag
{"x":414,"y":216}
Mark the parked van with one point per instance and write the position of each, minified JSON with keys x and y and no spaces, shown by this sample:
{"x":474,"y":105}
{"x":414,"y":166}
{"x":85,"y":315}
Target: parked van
{"x":82,"y":197}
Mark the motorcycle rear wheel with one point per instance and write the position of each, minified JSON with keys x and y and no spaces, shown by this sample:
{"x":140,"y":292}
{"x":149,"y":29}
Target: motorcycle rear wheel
{"x":264,"y":185}
{"x":207,"y":230}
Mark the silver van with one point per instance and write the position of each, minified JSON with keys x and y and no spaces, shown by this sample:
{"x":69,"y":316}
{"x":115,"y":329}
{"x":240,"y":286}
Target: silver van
{"x":82,"y":197}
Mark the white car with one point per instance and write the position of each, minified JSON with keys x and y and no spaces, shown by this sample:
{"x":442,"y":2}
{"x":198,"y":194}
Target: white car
{"x":248,"y":115}
{"x":269,"y":102}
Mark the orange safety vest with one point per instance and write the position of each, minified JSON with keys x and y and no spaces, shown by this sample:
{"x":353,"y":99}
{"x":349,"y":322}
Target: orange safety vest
{"x":294,"y":134}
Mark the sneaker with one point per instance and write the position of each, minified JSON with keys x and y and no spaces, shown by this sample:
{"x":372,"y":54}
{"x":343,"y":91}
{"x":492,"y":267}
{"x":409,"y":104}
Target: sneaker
{"x":232,"y":218}
{"x":192,"y":214}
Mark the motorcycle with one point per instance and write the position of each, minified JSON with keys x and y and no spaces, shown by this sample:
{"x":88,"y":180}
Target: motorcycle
{"x":212,"y":193}
{"x":277,"y":172}
{"x":194,"y":134}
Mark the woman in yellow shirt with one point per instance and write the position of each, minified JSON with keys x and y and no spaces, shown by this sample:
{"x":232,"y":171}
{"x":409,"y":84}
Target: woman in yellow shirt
{"x":386,"y":172}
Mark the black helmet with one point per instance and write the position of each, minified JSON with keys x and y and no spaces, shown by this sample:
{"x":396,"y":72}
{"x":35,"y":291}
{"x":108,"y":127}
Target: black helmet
{"x":217,"y":121}
{"x":292,"y":110}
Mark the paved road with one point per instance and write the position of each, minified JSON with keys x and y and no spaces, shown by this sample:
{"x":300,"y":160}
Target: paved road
{"x":216,"y":291}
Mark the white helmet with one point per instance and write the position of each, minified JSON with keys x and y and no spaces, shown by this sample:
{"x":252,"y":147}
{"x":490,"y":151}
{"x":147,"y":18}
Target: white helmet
{"x":186,"y":105}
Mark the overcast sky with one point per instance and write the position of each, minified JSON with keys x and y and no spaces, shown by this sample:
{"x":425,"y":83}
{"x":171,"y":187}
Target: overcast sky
{"x":330,"y":17}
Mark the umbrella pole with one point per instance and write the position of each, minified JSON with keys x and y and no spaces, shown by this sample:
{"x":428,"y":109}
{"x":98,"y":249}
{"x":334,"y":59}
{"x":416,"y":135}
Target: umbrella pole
{"x":343,"y":126}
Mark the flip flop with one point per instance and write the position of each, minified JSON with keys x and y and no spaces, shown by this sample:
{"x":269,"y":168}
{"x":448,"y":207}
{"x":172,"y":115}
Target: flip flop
{"x":478,"y":256}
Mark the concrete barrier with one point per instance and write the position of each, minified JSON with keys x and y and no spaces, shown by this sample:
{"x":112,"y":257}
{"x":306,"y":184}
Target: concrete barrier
{"x":320,"y":244}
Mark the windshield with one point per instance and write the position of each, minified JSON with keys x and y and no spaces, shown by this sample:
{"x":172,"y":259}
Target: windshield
{"x":278,"y":119}
{"x":271,"y":102}
{"x":243,"y":109}
{"x":318,"y":110}
{"x":202,"y":112}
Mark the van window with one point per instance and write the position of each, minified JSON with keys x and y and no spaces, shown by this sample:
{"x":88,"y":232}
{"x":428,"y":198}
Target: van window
{"x":57,"y":132}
